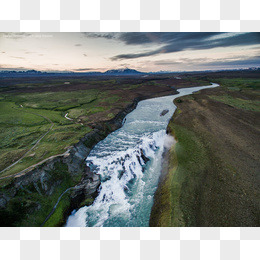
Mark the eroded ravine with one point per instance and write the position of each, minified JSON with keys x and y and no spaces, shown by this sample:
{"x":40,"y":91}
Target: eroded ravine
{"x":129,"y":164}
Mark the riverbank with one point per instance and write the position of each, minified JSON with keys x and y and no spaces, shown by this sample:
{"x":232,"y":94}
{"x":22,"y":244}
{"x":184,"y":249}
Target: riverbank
{"x":211,"y":176}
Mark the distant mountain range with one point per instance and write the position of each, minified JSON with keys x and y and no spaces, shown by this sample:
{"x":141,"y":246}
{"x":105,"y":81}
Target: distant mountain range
{"x":115,"y":72}
{"x":118,"y":72}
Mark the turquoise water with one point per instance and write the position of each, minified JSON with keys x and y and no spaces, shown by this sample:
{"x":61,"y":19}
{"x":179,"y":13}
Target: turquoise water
{"x":128,"y":180}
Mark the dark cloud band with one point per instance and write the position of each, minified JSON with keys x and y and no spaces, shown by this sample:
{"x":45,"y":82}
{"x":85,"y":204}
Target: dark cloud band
{"x":176,"y":42}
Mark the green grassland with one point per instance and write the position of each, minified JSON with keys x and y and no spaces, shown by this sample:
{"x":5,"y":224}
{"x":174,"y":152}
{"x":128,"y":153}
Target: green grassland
{"x":25,"y":117}
{"x":59,"y":101}
{"x":239,"y":84}
{"x":253,"y":105}
{"x":242,"y":88}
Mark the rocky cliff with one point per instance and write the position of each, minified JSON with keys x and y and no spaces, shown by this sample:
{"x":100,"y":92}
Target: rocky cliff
{"x":28,"y":198}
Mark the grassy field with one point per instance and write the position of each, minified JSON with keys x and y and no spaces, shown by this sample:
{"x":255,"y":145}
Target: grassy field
{"x":24,"y":120}
{"x":240,"y":93}
{"x":239,"y":84}
{"x":25,"y":117}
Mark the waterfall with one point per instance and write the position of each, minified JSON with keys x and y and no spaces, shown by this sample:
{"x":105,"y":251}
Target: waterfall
{"x":129,"y":164}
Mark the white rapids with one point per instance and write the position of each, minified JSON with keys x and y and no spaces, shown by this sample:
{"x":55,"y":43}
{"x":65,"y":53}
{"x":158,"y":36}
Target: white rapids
{"x":128,"y":179}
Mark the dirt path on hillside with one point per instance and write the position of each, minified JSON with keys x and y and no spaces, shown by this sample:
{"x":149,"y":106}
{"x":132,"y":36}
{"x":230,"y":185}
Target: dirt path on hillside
{"x":55,"y":206}
{"x":18,"y":174}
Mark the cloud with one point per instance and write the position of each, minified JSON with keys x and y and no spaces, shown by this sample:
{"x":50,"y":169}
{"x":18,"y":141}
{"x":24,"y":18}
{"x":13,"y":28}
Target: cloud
{"x":16,"y":57}
{"x":235,"y":61}
{"x":253,"y":61}
{"x":135,"y":55}
{"x":124,"y":64}
{"x":176,"y":42}
{"x":7,"y":68}
{"x":84,"y":69}
{"x":136,"y":38}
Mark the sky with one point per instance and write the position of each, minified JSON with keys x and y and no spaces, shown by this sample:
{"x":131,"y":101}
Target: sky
{"x":147,"y":52}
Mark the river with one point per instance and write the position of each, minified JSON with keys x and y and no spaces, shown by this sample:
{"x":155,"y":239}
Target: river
{"x":128,"y":179}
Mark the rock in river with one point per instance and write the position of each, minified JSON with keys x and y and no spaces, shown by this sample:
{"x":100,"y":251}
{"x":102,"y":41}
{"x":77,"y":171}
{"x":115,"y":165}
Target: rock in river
{"x":164,"y":112}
